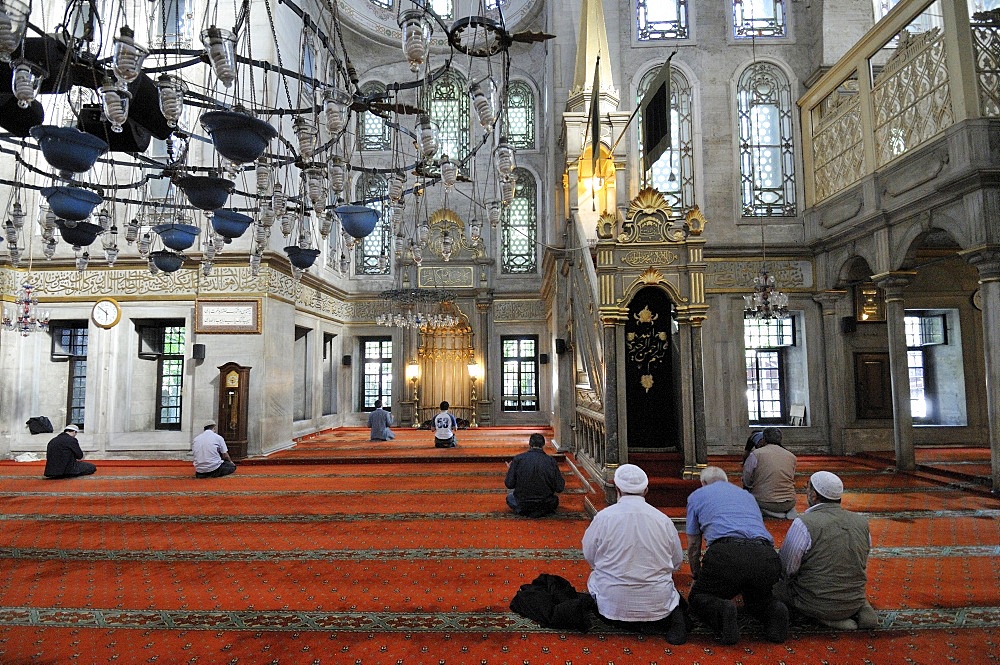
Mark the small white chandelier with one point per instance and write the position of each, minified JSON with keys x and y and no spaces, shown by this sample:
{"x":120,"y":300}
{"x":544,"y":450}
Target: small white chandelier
{"x":429,"y":309}
{"x":24,"y":316}
{"x":767,"y":302}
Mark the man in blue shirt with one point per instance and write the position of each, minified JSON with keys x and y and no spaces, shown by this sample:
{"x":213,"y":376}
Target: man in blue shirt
{"x":739,"y":559}
{"x":534,"y":481}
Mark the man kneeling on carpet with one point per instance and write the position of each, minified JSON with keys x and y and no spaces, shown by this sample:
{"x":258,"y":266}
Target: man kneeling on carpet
{"x":634,"y":550}
{"x":534,"y":481}
{"x":739,"y":559}
{"x":211,"y":456}
{"x":63,"y":456}
{"x":824,"y":560}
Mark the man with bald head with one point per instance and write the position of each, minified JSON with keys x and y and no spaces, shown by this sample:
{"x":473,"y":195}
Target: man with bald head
{"x":634,"y":550}
{"x":739,"y":560}
{"x":824,"y":559}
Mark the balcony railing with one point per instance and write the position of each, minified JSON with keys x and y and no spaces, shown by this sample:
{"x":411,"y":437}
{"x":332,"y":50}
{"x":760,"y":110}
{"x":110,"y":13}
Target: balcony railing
{"x":920,"y":70}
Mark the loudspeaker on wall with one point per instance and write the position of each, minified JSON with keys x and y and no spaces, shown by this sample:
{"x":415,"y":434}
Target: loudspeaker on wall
{"x":560,"y":346}
{"x":848,"y":324}
{"x":198,"y":351}
{"x":346,"y":361}
{"x":543,"y":359}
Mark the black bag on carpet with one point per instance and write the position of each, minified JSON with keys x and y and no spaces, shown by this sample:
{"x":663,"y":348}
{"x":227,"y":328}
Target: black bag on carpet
{"x":39,"y":425}
{"x":552,"y":602}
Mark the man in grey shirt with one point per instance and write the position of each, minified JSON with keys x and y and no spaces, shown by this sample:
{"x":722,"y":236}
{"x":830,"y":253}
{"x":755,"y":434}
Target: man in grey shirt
{"x":380,"y":421}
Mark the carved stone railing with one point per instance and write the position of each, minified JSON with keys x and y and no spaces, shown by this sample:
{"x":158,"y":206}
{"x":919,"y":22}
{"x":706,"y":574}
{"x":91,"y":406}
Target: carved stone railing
{"x":910,"y":78}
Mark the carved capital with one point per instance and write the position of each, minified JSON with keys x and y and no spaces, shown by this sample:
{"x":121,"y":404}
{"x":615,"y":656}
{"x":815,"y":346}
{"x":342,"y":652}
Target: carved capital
{"x":829,"y":300}
{"x":893,"y":283}
{"x":986,"y":259}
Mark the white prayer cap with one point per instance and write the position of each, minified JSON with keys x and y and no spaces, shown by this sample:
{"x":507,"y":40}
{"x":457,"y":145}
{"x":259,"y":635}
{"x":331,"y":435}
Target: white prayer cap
{"x":827,"y":485}
{"x":71,"y":428}
{"x":630,"y":479}
{"x":209,"y":423}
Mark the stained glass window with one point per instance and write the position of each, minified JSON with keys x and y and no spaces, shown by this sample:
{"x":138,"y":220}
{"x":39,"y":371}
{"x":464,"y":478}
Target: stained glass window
{"x":373,"y":188}
{"x":759,"y":18}
{"x":767,"y":148}
{"x":373,"y":132}
{"x":520,"y":227}
{"x":520,"y":116}
{"x":661,"y":19}
{"x":673,"y":173}
{"x":449,"y":109}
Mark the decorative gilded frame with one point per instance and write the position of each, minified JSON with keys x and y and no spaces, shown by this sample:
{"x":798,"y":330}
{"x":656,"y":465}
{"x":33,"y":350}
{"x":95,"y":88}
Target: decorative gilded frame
{"x":243,"y":317}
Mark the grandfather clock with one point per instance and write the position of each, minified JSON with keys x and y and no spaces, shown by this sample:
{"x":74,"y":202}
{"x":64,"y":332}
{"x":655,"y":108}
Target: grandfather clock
{"x":234,"y":398}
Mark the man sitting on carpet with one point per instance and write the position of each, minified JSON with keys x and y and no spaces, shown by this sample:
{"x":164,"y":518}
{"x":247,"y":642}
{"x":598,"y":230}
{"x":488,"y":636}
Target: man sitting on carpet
{"x":63,"y":456}
{"x":211,"y":456}
{"x":824,"y":559}
{"x":634,"y":550}
{"x":769,"y":474}
{"x":534,"y":481}
{"x":380,"y":421}
{"x":444,"y":428}
{"x":739,"y":559}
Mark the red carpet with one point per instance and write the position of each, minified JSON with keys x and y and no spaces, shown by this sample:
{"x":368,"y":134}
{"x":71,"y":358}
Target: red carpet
{"x":345,"y":551}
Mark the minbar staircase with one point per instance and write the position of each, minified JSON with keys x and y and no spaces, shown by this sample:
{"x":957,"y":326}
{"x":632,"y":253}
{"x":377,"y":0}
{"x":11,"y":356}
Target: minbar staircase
{"x":667,"y":487}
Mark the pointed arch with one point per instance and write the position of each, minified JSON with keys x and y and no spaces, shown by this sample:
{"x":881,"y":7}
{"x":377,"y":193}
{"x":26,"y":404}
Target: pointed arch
{"x":673,"y":174}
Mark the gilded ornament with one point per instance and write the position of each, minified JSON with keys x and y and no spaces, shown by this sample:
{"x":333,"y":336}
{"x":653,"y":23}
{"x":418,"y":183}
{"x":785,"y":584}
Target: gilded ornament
{"x":651,"y":276}
{"x":646,"y":381}
{"x":648,"y":201}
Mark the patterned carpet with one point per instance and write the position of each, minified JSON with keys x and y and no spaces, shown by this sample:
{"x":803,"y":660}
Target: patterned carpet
{"x":344,"y":551}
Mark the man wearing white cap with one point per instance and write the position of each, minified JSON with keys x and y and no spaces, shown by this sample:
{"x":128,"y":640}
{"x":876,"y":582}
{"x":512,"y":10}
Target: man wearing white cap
{"x":211,"y":456}
{"x":824,"y":559}
{"x":634,"y":550}
{"x":739,"y":559}
{"x":63,"y":456}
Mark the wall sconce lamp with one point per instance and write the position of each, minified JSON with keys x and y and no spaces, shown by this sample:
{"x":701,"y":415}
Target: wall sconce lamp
{"x":413,"y":376}
{"x":475,"y":374}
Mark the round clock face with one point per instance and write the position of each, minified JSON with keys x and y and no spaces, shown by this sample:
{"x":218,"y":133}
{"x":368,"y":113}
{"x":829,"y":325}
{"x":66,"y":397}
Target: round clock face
{"x":977,"y":299}
{"x":106,"y":313}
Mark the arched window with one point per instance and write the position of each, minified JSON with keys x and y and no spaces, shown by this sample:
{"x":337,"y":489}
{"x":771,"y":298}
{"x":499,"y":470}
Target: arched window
{"x":373,"y":188}
{"x":449,"y":109}
{"x":767,"y":149}
{"x":519,"y":232}
{"x":520,"y":116}
{"x":443,"y":8}
{"x":673,"y":172}
{"x":759,"y":18}
{"x":373,"y":132}
{"x":661,"y":19}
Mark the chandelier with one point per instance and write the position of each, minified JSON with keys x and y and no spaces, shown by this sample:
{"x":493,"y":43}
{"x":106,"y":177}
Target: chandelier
{"x":431,"y":309}
{"x":24,"y":316}
{"x":251,"y":146}
{"x":767,"y":302}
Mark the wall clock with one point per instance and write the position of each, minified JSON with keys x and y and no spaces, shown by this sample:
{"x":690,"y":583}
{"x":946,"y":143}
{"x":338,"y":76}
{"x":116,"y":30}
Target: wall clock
{"x":977,"y":299}
{"x":106,"y":313}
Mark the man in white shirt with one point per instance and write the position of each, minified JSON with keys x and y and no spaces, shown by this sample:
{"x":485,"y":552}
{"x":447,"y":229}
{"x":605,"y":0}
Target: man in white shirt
{"x":211,"y":456}
{"x":634,"y":550}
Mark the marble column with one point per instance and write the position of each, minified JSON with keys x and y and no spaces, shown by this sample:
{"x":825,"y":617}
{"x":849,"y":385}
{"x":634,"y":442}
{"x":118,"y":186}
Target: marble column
{"x":698,"y":395}
{"x":986,"y":259}
{"x":836,"y":388}
{"x":689,"y":438}
{"x":893,"y":283}
{"x":612,"y":454}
